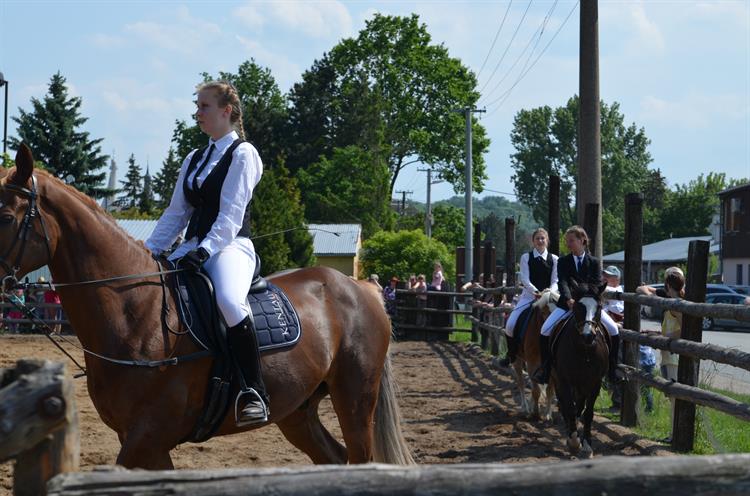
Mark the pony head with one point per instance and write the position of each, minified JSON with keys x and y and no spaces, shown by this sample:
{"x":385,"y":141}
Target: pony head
{"x":588,"y":308}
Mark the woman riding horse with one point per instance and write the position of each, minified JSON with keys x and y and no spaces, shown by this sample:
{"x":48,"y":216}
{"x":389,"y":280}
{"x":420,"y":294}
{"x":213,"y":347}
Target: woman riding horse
{"x":580,"y":267}
{"x":123,"y":315}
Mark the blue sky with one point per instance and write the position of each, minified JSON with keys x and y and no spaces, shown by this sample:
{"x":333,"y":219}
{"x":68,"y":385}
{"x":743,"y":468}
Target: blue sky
{"x":681,"y":69}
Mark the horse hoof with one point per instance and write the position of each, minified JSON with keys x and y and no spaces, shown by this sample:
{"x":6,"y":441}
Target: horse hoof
{"x":574,"y":445}
{"x":586,"y":451}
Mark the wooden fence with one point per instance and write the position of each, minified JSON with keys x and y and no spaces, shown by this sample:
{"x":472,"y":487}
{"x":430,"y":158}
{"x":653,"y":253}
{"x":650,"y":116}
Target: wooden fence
{"x":38,"y":423}
{"x":39,"y":310}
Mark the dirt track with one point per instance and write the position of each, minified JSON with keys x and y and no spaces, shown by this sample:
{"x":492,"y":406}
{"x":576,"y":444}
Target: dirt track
{"x":456,"y":408}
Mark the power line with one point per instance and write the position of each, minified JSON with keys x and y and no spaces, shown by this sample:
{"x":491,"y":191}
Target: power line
{"x":507,"y":48}
{"x":495,"y":40}
{"x":538,"y":36}
{"x":506,"y":94}
{"x":500,"y":192}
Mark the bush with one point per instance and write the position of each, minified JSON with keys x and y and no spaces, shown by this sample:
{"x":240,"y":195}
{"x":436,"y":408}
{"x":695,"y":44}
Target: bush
{"x":402,"y":253}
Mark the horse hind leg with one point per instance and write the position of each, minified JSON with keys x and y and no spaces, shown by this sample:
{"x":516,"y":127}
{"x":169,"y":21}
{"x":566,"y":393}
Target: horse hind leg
{"x":304,"y":430}
{"x":521,"y":385}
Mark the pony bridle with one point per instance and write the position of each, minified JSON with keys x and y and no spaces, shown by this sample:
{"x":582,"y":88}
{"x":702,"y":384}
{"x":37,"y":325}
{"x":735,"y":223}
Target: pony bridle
{"x":32,"y":212}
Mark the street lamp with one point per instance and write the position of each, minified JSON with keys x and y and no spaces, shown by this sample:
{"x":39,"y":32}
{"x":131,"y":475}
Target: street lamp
{"x":3,"y":82}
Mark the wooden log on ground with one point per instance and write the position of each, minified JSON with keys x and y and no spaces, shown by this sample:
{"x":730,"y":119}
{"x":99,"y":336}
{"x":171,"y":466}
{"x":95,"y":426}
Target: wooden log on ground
{"x":612,"y":475}
{"x":38,"y":423}
{"x":691,"y":394}
{"x":702,"y":351}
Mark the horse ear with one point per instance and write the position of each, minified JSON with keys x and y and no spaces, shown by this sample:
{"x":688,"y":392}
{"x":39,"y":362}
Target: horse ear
{"x":602,"y":287}
{"x":24,"y":165}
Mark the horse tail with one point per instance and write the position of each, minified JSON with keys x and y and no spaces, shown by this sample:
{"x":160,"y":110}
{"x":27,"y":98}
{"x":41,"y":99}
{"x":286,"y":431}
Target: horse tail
{"x":389,"y":444}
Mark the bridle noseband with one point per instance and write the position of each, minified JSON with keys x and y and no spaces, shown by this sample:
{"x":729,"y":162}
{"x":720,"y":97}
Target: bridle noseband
{"x":32,"y":212}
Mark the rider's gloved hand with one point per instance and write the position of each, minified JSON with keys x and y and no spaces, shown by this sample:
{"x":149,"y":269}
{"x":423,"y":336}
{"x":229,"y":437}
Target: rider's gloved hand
{"x":194,"y":259}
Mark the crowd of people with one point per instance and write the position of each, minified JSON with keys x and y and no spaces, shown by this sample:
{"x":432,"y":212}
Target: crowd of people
{"x":33,"y":298}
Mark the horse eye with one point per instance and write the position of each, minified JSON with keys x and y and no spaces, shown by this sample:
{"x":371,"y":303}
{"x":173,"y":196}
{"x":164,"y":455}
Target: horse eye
{"x":7,"y":219}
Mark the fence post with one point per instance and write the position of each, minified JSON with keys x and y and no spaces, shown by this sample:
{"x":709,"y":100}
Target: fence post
{"x":553,"y":219}
{"x":631,"y":399}
{"x":683,"y":428}
{"x":590,"y":217}
{"x":510,"y":252}
{"x":476,"y":315}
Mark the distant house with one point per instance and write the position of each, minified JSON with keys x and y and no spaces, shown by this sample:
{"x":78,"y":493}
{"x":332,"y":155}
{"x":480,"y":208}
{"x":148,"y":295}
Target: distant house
{"x":337,"y":246}
{"x":660,"y":255}
{"x":735,"y":234}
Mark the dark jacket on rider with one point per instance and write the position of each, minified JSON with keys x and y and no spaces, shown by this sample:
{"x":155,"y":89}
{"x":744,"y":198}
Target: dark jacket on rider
{"x":566,"y":271}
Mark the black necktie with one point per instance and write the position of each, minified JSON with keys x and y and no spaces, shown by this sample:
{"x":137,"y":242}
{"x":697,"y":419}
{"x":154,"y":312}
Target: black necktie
{"x":202,"y":166}
{"x":578,"y":263}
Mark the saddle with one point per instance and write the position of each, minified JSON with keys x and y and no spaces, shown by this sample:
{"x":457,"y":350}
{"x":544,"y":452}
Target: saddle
{"x":275,"y":322}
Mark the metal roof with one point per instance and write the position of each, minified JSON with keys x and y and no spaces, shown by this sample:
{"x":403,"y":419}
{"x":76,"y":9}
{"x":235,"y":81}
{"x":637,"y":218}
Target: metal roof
{"x":138,"y":229}
{"x":335,"y":239}
{"x":668,"y":250}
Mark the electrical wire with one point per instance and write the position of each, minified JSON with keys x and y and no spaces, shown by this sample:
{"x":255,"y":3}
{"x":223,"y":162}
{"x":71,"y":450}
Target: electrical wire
{"x":497,"y":34}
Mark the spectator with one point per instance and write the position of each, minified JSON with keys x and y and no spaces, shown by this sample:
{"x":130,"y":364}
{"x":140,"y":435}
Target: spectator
{"x":18,"y":298}
{"x":412,"y":282}
{"x":437,"y":278}
{"x":389,"y":296}
{"x":375,"y":280}
{"x":671,"y":326}
{"x":647,"y":363}
{"x":53,"y":313}
{"x":615,"y":308}
{"x":421,"y":289}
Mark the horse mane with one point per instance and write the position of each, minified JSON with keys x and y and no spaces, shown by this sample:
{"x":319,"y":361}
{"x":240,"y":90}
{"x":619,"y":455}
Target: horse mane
{"x":548,"y":298}
{"x":91,"y":204}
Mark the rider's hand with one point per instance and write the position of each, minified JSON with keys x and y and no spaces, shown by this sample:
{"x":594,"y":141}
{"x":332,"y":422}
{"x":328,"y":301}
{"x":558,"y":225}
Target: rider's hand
{"x":194,"y":259}
{"x":537,"y":295}
{"x":571,"y":303}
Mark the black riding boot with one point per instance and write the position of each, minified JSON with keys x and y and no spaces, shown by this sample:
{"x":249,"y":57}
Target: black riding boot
{"x":251,"y":405}
{"x":512,"y":348}
{"x":613,"y":358}
{"x":541,"y":376}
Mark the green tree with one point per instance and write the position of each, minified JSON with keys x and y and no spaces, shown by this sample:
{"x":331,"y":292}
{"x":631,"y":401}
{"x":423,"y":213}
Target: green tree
{"x":545,"y":142}
{"x":404,"y":252}
{"x":146,"y":201}
{"x":131,"y":186}
{"x":276,"y":207}
{"x":166,"y":180}
{"x":689,"y":208}
{"x":351,"y":186}
{"x":51,"y":130}
{"x":392,"y":92}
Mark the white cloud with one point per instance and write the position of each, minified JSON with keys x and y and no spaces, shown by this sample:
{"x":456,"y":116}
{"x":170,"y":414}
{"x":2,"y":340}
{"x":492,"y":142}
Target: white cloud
{"x":184,"y":36}
{"x":322,"y":19}
{"x":694,"y":111}
{"x":646,"y":32}
{"x":284,"y":70}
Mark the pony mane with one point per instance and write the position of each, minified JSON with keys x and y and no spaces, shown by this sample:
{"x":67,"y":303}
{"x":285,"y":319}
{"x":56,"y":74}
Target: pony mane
{"x":548,"y":298}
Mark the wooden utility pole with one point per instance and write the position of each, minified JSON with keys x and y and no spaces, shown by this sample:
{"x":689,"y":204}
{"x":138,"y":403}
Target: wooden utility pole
{"x":553,"y":215}
{"x":510,"y":252}
{"x":468,"y":238}
{"x":631,"y":402}
{"x":589,"y":185}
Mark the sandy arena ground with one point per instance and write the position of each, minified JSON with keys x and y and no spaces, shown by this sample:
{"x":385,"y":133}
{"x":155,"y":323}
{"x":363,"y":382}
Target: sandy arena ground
{"x":457,"y":409}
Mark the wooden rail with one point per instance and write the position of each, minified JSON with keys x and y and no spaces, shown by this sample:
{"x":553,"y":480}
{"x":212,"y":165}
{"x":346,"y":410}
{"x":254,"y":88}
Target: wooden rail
{"x":613,"y":475}
{"x":720,"y":310}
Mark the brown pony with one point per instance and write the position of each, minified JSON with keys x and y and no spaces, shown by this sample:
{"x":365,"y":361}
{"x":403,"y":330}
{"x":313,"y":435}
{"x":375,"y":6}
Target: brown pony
{"x":343,"y":350}
{"x":581,"y":358}
{"x":529,"y":358}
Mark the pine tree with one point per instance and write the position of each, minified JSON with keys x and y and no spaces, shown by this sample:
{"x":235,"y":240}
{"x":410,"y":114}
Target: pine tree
{"x":51,"y":131}
{"x":166,"y":179}
{"x":131,"y":186}
{"x":146,"y":200}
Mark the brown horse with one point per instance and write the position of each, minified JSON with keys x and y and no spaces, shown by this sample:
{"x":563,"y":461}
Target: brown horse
{"x":343,"y":350}
{"x":529,"y":359}
{"x":581,"y":359}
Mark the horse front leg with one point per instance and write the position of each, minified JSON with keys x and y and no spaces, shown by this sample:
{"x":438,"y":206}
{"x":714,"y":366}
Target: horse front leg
{"x":139,"y":451}
{"x":567,"y":409}
{"x":588,"y":418}
{"x":521,"y":385}
{"x":548,"y":401}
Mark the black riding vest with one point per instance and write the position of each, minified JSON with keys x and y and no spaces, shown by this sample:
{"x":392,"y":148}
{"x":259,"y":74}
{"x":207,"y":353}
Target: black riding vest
{"x":540,"y":271}
{"x":206,"y":200}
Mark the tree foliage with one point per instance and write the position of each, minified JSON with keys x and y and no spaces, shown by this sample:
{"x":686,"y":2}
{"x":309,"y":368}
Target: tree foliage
{"x":51,"y":130}
{"x":392,"y":92}
{"x":545,"y":140}
{"x":131,"y":186}
{"x":404,"y":252}
{"x":351,"y":186}
{"x":165,"y":180}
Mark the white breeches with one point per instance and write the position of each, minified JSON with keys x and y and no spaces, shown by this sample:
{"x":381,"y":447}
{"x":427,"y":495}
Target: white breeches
{"x":558,"y":314}
{"x":523,"y":303}
{"x":231,"y":272}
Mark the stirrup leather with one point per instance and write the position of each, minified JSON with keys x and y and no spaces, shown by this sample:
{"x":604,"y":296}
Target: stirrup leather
{"x":250,"y":418}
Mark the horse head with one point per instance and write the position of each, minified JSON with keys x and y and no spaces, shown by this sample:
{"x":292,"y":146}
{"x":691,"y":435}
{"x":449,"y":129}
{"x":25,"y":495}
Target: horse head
{"x":588,"y":308}
{"x":24,"y":242}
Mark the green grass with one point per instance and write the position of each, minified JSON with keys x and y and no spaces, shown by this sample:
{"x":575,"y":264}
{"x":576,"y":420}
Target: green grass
{"x":461,"y":336}
{"x":716,"y":432}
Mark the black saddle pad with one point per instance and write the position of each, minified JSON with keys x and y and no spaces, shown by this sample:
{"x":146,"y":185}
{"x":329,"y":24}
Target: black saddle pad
{"x":523,"y":322}
{"x":276,"y":321}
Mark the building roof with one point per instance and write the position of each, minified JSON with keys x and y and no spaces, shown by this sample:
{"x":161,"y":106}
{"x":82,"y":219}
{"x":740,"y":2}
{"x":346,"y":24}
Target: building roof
{"x":666,"y":251}
{"x":335,"y":239}
{"x":734,"y":189}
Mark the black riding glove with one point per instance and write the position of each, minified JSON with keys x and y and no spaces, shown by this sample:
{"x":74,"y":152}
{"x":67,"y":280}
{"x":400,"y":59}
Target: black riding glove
{"x":194,"y":259}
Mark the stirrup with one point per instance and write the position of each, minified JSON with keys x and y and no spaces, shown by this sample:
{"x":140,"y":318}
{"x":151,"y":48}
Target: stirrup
{"x":255,"y":410}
